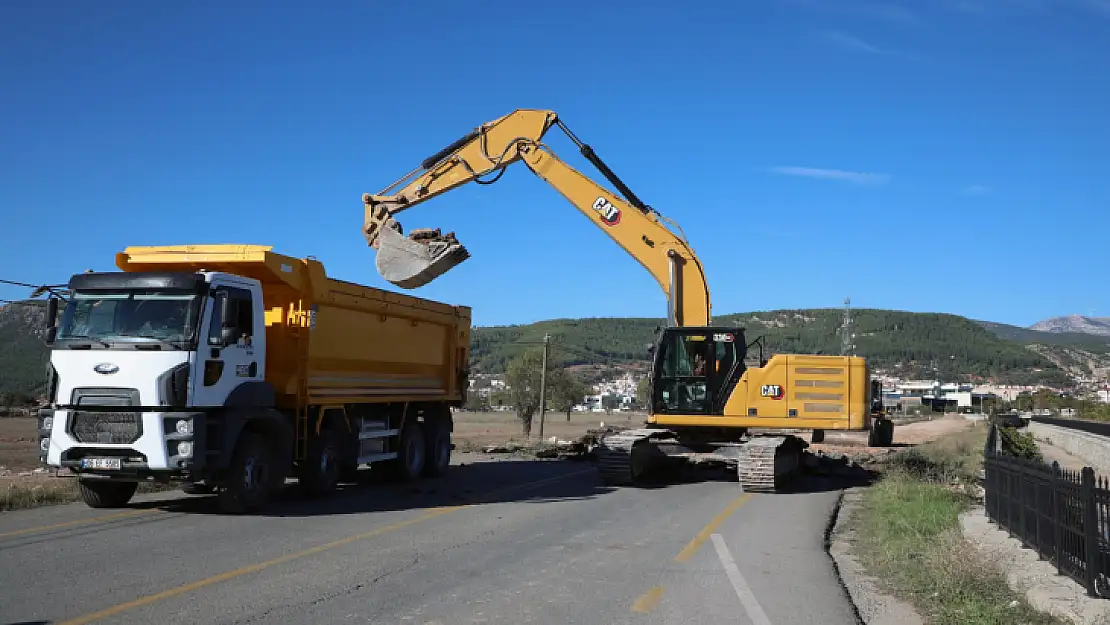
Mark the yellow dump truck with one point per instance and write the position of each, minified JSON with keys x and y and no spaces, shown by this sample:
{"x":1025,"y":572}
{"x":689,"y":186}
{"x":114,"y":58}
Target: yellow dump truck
{"x":229,"y":368}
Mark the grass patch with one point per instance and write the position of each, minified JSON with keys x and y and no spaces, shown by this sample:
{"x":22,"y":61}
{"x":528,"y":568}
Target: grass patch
{"x":44,"y":491}
{"x":908,"y":536}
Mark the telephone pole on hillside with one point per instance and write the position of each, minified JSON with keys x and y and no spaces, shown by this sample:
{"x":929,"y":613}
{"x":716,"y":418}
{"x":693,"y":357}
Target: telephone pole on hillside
{"x":846,"y":336}
{"x":543,"y":381}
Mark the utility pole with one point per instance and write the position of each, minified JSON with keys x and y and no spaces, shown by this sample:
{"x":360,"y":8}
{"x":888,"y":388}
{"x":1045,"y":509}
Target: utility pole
{"x":543,"y":382}
{"x":846,"y":335}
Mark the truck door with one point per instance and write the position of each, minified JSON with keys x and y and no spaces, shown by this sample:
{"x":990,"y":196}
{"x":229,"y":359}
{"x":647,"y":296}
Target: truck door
{"x":226,"y":354}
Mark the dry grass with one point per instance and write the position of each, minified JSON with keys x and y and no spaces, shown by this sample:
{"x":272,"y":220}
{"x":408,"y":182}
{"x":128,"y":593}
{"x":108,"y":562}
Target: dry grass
{"x":21,"y":492}
{"x":908,"y":535}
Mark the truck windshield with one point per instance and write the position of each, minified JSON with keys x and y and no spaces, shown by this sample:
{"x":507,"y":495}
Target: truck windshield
{"x":169,"y":316}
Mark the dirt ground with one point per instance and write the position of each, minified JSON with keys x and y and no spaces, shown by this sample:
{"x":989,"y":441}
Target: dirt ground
{"x":19,"y":454}
{"x":905,"y":435}
{"x":477,"y":430}
{"x":18,"y":444}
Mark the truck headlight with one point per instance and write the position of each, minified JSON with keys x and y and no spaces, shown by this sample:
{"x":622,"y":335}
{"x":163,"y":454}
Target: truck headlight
{"x":44,"y":444}
{"x":184,"y":427}
{"x":184,"y":448}
{"x":48,"y":423}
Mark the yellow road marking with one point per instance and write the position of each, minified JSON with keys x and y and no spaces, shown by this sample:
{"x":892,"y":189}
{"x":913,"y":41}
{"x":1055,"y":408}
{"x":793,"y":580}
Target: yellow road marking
{"x":95,"y":519}
{"x":692,"y":547}
{"x":222,"y":577}
{"x":647,"y":601}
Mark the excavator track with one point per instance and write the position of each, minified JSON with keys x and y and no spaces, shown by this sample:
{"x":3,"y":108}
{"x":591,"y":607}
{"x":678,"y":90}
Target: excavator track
{"x":763,"y":463}
{"x":615,"y":462}
{"x":767,"y":462}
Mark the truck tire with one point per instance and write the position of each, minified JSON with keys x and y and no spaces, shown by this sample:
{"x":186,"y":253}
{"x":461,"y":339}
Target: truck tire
{"x":322,"y":468}
{"x":411,"y":453}
{"x":437,"y":449}
{"x":105,"y":494}
{"x":247,"y":485}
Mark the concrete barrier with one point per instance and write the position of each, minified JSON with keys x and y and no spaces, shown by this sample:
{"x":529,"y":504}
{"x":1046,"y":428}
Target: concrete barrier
{"x":1090,"y":448}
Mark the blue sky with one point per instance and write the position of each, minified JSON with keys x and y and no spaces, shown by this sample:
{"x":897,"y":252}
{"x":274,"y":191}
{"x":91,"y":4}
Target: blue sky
{"x":936,"y":155}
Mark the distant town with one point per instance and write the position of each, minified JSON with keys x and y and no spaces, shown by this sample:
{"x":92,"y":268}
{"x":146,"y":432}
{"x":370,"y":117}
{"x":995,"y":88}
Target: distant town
{"x":900,"y":396}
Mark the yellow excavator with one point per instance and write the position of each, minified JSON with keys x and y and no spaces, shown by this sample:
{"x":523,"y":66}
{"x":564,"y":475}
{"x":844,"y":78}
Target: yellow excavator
{"x":707,"y":404}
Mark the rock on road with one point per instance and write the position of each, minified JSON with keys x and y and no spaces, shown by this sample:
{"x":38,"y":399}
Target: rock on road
{"x":507,"y":541}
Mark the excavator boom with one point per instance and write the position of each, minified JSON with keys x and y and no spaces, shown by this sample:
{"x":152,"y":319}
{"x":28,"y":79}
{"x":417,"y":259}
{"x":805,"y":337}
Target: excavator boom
{"x":413,"y":261}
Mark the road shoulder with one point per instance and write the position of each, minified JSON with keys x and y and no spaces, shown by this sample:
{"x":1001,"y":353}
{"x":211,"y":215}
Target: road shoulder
{"x":1027,"y":574}
{"x":872,"y":606}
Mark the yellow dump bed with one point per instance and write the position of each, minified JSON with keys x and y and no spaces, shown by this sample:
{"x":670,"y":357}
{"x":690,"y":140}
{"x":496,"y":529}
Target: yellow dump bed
{"x":335,"y":342}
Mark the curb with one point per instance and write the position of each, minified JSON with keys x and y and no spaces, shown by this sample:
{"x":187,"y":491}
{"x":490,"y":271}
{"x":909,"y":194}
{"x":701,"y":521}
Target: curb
{"x":872,"y":607}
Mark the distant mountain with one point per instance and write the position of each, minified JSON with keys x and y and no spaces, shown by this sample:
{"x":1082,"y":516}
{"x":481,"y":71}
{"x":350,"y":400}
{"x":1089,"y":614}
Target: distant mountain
{"x":1099,"y":326}
{"x":1081,"y":355}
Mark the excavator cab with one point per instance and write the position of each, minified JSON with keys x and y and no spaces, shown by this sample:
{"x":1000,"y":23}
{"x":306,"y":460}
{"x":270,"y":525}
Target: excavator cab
{"x":695,"y":369}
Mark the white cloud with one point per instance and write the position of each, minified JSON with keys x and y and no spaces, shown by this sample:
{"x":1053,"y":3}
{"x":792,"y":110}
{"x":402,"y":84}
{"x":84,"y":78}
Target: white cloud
{"x":855,"y":177}
{"x":882,"y":11}
{"x":976,"y":189}
{"x":855,"y":43}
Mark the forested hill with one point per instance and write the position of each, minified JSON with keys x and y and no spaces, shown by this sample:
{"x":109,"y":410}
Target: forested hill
{"x":902,"y":342}
{"x":23,"y":356}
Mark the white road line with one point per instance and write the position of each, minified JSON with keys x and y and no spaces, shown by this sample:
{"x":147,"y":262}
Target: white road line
{"x":751,"y":606}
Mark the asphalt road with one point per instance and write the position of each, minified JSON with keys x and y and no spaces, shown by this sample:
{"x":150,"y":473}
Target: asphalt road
{"x":496,"y":542}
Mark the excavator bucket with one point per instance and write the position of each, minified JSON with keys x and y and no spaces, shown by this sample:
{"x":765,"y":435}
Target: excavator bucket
{"x":415,"y":260}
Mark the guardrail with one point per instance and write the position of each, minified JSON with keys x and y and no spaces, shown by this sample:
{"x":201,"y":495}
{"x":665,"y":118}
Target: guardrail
{"x":1100,"y":428}
{"x":1063,"y":515}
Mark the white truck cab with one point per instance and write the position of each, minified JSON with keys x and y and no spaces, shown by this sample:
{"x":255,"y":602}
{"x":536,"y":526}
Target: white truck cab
{"x":146,"y":371}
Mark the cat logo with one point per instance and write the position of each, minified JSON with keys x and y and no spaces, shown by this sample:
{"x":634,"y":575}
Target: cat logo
{"x":774,"y":391}
{"x":610,"y":214}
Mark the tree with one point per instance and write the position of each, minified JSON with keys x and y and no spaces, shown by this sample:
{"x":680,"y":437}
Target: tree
{"x":643,"y":392}
{"x":523,"y":379}
{"x":610,"y":403}
{"x":565,"y":391}
{"x":476,"y":401}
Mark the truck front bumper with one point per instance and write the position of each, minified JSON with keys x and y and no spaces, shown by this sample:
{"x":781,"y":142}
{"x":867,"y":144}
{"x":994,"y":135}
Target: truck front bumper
{"x":153,"y":443}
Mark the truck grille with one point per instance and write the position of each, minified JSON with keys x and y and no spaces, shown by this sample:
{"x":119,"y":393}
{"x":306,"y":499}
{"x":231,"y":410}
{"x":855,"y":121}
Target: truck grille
{"x":106,"y":428}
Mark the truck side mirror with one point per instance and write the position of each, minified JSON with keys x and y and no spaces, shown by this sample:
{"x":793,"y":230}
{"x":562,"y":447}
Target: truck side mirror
{"x":51,"y":320}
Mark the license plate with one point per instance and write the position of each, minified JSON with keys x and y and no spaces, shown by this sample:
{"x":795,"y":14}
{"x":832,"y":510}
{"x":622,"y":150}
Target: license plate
{"x":105,"y":464}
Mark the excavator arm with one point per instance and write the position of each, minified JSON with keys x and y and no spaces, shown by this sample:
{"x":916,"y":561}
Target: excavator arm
{"x":424,"y":255}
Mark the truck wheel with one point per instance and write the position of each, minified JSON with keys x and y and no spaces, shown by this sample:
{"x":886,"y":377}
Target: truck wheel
{"x":411,"y":453}
{"x":105,"y":494}
{"x":320,"y":472}
{"x":248,"y":483}
{"x":437,"y":450}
